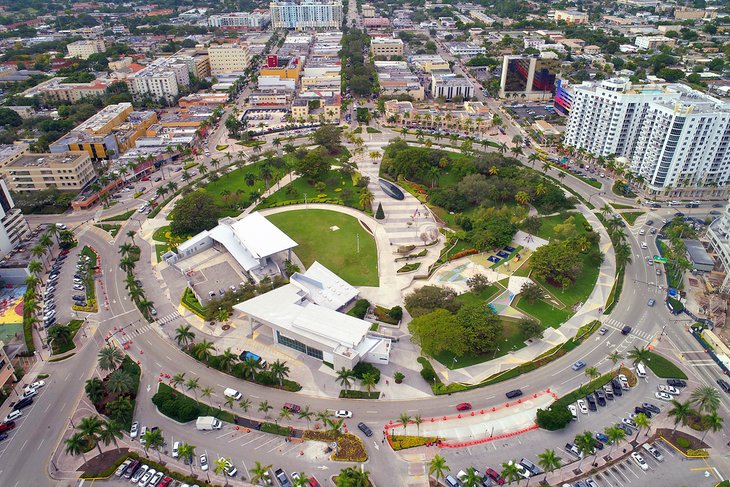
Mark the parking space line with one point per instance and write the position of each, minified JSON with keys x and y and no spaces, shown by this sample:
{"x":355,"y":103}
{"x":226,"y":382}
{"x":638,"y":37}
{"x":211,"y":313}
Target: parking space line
{"x":264,"y":444}
{"x":250,"y":441}
{"x":294,"y":447}
{"x":273,"y":448}
{"x":630,"y":469}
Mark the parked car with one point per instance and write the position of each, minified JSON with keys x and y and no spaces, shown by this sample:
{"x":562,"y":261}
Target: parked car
{"x":650,"y":407}
{"x":591,"y":402}
{"x":23,"y":403}
{"x":629,"y":422}
{"x":176,"y":449}
{"x":653,"y":452}
{"x":676,"y":383}
{"x":492,"y":474}
{"x":12,"y":416}
{"x":139,"y":474}
{"x":132,"y":469}
{"x":123,"y":467}
{"x":616,"y":385}
{"x":600,"y":397}
{"x":602,"y":437}
{"x":644,"y":411}
{"x":663,"y":396}
{"x":668,"y":389}
{"x":231,"y":471}
{"x":582,"y":406}
{"x":282,"y":478}
{"x":639,"y":460}
{"x":573,"y":411}
{"x":203,"y":462}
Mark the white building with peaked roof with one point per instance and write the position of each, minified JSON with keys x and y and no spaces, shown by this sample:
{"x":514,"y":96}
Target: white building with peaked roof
{"x":305,"y":315}
{"x":251,"y":241}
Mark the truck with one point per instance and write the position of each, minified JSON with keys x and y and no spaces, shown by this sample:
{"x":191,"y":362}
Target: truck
{"x":207,"y":423}
{"x":250,"y":355}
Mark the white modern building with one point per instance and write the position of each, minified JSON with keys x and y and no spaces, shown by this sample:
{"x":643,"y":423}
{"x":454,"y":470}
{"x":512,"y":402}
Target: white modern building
{"x":85,"y":48}
{"x":449,"y":86}
{"x":163,"y":78}
{"x":674,"y":136}
{"x":465,"y":49}
{"x":718,"y":234}
{"x":228,"y":58}
{"x":306,"y":315}
{"x":306,"y":14}
{"x":256,"y":20}
{"x":13,"y":226}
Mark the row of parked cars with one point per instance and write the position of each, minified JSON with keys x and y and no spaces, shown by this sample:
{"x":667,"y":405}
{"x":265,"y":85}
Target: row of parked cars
{"x":525,"y":469}
{"x":142,"y":475}
{"x":638,"y":458}
{"x":49,"y":304}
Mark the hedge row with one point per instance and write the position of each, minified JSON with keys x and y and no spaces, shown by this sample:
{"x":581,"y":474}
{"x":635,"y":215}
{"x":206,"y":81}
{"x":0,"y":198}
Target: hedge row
{"x":183,"y":409}
{"x":348,"y":394}
{"x":275,"y":429}
{"x":400,"y":442}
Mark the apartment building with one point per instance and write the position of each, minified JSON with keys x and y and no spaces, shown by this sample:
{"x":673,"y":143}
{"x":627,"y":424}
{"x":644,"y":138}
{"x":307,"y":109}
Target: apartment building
{"x":228,"y":58}
{"x":571,"y":16}
{"x":85,"y":48}
{"x":465,"y":49}
{"x":718,"y":233}
{"x":55,"y":89}
{"x":306,"y":14}
{"x":675,"y":137}
{"x":67,"y":171}
{"x":242,"y":21}
{"x":197,"y":61}
{"x":653,"y":42}
{"x":164,"y":79}
{"x":368,"y":11}
{"x":386,"y":46}
{"x":13,"y":226}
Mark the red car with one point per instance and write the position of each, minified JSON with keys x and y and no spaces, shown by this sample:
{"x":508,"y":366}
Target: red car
{"x":313,"y":482}
{"x":146,"y":178}
{"x":464,"y":406}
{"x":495,"y":476}
{"x":165,"y":482}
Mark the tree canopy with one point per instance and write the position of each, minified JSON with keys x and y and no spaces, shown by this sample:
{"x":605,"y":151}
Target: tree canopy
{"x":194,"y":213}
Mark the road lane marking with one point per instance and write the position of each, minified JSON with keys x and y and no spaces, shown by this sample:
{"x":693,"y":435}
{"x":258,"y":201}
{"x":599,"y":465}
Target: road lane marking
{"x":40,"y":444}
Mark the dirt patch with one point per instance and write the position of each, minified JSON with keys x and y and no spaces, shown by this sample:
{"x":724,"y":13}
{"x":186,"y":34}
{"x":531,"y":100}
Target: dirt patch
{"x":102,"y":462}
{"x":673,"y":438}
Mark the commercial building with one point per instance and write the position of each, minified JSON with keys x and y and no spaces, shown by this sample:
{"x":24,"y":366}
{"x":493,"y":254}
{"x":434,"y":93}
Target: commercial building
{"x":465,"y":49}
{"x":571,"y":16}
{"x":66,"y":171}
{"x":718,"y":233}
{"x":529,"y":76}
{"x":109,"y":133}
{"x":228,"y":58}
{"x":653,"y":42}
{"x":196,"y":60}
{"x":164,"y":79}
{"x":368,"y":10}
{"x":698,"y":256}
{"x":306,"y":14}
{"x":55,"y":89}
{"x":307,"y":315}
{"x":689,"y":13}
{"x":563,"y":100}
{"x":7,"y":371}
{"x":376,"y":22}
{"x":256,"y":20}
{"x":386,"y":46}
{"x":429,"y":62}
{"x":325,"y":106}
{"x":85,"y":48}
{"x":13,"y":226}
{"x":449,"y":86}
{"x":203,"y":100}
{"x":675,"y":137}
{"x":282,"y":67}
{"x":396,"y":79}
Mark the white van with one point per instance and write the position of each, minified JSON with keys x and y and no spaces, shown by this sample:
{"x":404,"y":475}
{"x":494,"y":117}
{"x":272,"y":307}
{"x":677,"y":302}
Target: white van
{"x":640,"y":370}
{"x":232,"y":393}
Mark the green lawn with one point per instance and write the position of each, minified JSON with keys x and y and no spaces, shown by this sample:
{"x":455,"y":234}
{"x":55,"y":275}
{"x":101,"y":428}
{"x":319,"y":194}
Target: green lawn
{"x":159,"y":251}
{"x":547,"y":230}
{"x":547,"y":314}
{"x":631,"y":216}
{"x":90,"y":283}
{"x":160,"y":234}
{"x":619,"y":206}
{"x":511,"y":340}
{"x":664,"y":368}
{"x":58,"y":348}
{"x":336,"y":250}
{"x":339,"y":189}
{"x":238,"y":191}
{"x":119,"y":218}
{"x":484,"y":296}
{"x":580,"y":289}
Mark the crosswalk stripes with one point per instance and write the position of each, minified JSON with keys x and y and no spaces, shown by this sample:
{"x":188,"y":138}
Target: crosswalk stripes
{"x":640,"y":333}
{"x":168,"y":318}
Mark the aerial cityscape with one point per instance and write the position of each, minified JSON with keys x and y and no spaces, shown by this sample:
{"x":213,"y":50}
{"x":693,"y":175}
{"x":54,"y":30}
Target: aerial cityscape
{"x":364,"y":243}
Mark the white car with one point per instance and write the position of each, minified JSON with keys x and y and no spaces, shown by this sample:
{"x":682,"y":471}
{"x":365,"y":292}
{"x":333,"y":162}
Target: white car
{"x":204,"y":462}
{"x":643,"y":245}
{"x":176,"y":449}
{"x":146,"y":477}
{"x":156,"y":479}
{"x":653,"y":451}
{"x":141,"y":435}
{"x":668,"y":389}
{"x":663,"y":396}
{"x":640,"y":461}
{"x":35,"y":385}
{"x":629,"y":422}
{"x":582,"y":406}
{"x":134,"y":432}
{"x":343,"y":414}
{"x":573,"y":410}
{"x":14,"y":414}
{"x":30,"y":393}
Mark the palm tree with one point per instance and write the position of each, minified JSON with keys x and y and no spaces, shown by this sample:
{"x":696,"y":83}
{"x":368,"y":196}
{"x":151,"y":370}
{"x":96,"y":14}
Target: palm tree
{"x":249,"y":367}
{"x":59,"y":333}
{"x":226,"y":360}
{"x":285,"y":414}
{"x":592,"y":373}
{"x":335,"y":426}
{"x":35,"y":267}
{"x":510,"y":472}
{"x":265,"y":407}
{"x":259,"y":472}
{"x":614,"y":357}
{"x":368,"y":380}
{"x":192,"y":385}
{"x":244,"y":404}
{"x":417,"y":420}
{"x":76,"y":445}
{"x":127,"y":264}
{"x":471,"y":479}
{"x":110,"y":357}
{"x":306,"y":413}
{"x":345,"y":376}
{"x":90,"y":428}
{"x":522,"y":198}
{"x":301,"y":481}
{"x":187,"y":452}
{"x":706,"y":399}
{"x":32,"y":281}
{"x":111,"y":431}
{"x":404,"y":419}
{"x":131,"y":235}
{"x":94,"y":389}
{"x":177,"y":379}
{"x":323,"y":416}
{"x":207,"y":392}
{"x":204,"y":349}
{"x":437,"y":467}
{"x":681,"y":412}
{"x":642,"y":421}
{"x":549,"y":461}
{"x":615,"y":436}
{"x":639,"y":355}
{"x":229,"y":402}
{"x":125,"y":249}
{"x":119,"y":382}
{"x":280,"y":371}
{"x":624,"y":256}
{"x":713,"y":422}
{"x":184,"y":336}
{"x":585,"y":444}
{"x":154,"y":440}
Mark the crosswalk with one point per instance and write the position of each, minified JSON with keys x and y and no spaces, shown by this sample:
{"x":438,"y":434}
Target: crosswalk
{"x":168,"y":318}
{"x":619,"y":326}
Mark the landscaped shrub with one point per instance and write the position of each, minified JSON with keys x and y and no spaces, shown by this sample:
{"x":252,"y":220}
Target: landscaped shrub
{"x":400,"y":442}
{"x":379,"y":214}
{"x":360,"y":309}
{"x":363,"y":368}
{"x":554,"y":418}
{"x":350,"y":449}
{"x":351,"y":394}
{"x":183,"y":409}
{"x":682,"y":442}
{"x":697,"y":453}
{"x":463,"y":253}
{"x":427,"y":371}
{"x":276,"y":429}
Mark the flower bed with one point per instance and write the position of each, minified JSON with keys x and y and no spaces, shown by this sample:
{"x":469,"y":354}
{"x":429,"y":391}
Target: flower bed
{"x":463,"y":253}
{"x":349,"y":447}
{"x":409,"y":267}
{"x":348,"y":394}
{"x":401,"y":442}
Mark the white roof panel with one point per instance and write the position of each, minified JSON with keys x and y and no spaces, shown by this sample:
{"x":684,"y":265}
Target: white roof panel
{"x":261,"y":237}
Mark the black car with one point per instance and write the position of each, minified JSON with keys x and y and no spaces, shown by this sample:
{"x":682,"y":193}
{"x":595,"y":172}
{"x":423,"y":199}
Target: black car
{"x":639,"y":409}
{"x":626,"y":330}
{"x":513,"y":394}
{"x":650,"y":407}
{"x":77,"y":297}
{"x":601,"y":397}
{"x":625,"y":427}
{"x":282,"y":478}
{"x":676,"y":383}
{"x":723,"y":385}
{"x":364,"y":428}
{"x":23,"y":403}
{"x":650,"y":222}
{"x":616,"y":385}
{"x":3,"y":436}
{"x":717,"y":205}
{"x":591,"y":400}
{"x":679,"y":213}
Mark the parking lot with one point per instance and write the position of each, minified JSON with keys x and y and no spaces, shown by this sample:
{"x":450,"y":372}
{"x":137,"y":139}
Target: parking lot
{"x":531,"y":111}
{"x":264,"y":119}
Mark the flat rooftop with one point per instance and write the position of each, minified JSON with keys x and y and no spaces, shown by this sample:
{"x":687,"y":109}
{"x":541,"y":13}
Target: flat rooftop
{"x":46,"y":160}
